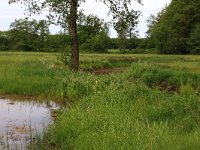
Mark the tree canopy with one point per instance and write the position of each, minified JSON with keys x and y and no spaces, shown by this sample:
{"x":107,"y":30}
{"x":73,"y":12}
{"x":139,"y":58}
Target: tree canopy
{"x":28,"y":34}
{"x":173,"y":28}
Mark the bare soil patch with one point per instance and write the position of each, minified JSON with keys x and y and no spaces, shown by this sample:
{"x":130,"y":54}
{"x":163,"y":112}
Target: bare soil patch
{"x":164,"y":86}
{"x":104,"y":71}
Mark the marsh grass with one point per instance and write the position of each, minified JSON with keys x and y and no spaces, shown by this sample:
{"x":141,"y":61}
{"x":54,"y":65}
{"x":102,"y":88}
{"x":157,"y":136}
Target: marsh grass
{"x":40,"y":74}
{"x":122,"y":111}
{"x":158,"y":77}
{"x":29,"y":75}
{"x":119,"y":111}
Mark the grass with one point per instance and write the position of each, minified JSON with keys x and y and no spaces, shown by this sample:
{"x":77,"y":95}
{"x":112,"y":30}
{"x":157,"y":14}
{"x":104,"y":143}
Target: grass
{"x":39,"y":74}
{"x":28,"y":74}
{"x":129,"y":110}
{"x":123,"y":113}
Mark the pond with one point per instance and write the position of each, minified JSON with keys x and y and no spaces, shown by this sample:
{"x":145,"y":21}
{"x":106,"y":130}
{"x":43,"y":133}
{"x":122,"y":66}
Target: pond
{"x":20,"y":120}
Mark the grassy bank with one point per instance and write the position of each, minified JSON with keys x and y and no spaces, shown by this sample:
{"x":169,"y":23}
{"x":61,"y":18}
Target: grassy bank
{"x":129,"y":111}
{"x":122,"y":111}
{"x":153,"y":104}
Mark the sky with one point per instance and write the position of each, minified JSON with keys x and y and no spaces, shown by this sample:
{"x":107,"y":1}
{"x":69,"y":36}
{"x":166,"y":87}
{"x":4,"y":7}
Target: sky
{"x":14,"y":11}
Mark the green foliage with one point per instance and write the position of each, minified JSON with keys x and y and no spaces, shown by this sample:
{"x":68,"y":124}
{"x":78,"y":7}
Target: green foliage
{"x":65,"y":56}
{"x":26,"y":35}
{"x":172,"y":27}
{"x":165,"y":79}
{"x":131,"y":45}
{"x":98,"y":43}
{"x":116,"y":111}
{"x":58,"y":42}
{"x":93,"y":34}
{"x":124,"y":25}
{"x":5,"y":41}
{"x":79,"y":85}
{"x":89,"y":26}
{"x":194,"y":40}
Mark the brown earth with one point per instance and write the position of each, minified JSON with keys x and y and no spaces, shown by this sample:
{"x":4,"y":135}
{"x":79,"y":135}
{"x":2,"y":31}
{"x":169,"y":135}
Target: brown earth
{"x":104,"y":71}
{"x":164,"y":86}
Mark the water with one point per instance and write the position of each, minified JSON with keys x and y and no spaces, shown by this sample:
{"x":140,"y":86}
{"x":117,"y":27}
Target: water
{"x":21,"y":119}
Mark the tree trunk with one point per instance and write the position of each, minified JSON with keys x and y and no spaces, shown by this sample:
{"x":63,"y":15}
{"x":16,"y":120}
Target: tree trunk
{"x":74,"y":62}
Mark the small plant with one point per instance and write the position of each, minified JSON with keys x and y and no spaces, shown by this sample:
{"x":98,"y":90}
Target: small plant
{"x":65,"y":56}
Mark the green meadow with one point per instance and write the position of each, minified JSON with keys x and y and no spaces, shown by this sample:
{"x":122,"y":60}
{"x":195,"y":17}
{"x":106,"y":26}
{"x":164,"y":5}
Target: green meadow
{"x":151,"y":103}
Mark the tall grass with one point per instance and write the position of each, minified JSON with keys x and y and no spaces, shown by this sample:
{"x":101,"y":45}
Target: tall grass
{"x":117,"y":111}
{"x":156,"y":76}
{"x":31,"y":75}
{"x":122,"y":112}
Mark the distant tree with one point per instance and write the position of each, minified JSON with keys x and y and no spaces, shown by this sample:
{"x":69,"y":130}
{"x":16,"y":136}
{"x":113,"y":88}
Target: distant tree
{"x":58,"y":42}
{"x":121,"y":27}
{"x":4,"y":41}
{"x":42,"y":32}
{"x":29,"y":34}
{"x":23,"y":33}
{"x":153,"y":20}
{"x":90,"y":26}
{"x":132,"y":43}
{"x":124,"y":26}
{"x":98,"y":43}
{"x":101,"y":42}
{"x":194,"y":40}
{"x":65,"y":12}
{"x":93,"y":33}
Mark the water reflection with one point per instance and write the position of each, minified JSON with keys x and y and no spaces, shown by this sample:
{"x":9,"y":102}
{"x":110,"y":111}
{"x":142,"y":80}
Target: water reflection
{"x":20,"y":119}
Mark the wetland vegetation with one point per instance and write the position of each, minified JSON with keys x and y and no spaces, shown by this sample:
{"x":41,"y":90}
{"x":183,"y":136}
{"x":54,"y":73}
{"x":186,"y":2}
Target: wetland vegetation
{"x":152,"y":104}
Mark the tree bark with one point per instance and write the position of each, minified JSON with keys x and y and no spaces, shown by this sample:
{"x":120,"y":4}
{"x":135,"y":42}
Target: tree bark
{"x":74,"y":62}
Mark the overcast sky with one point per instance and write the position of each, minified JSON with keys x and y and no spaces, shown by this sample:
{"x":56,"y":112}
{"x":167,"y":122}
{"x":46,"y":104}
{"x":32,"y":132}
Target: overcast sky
{"x":14,"y":11}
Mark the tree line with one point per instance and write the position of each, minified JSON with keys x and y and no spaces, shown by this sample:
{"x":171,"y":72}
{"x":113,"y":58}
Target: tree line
{"x":93,"y":35}
{"x":176,"y":29}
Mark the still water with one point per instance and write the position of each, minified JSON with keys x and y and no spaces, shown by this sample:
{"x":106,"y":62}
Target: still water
{"x":21,"y":119}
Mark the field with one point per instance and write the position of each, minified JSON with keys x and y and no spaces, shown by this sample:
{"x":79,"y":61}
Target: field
{"x":148,"y":102}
